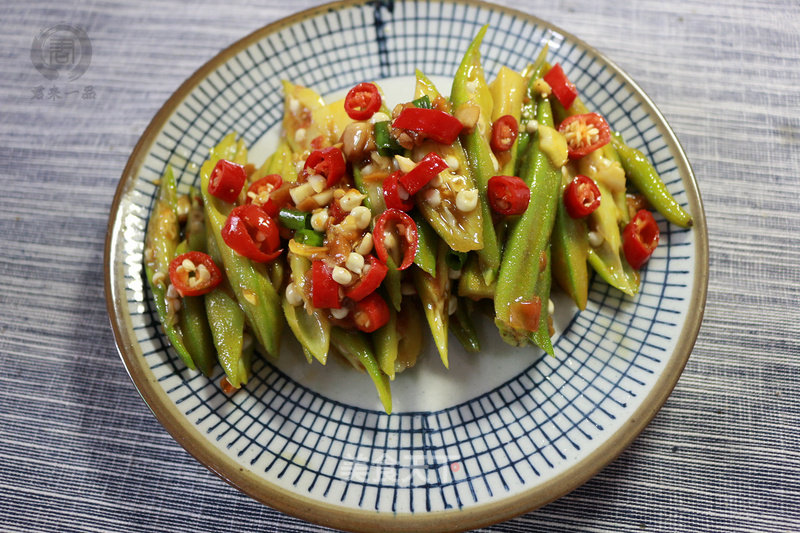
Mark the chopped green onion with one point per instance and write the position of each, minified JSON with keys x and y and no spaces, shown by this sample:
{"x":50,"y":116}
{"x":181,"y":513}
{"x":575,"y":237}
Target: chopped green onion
{"x":422,"y":102}
{"x":294,"y":219}
{"x":387,"y":145}
{"x":309,"y":237}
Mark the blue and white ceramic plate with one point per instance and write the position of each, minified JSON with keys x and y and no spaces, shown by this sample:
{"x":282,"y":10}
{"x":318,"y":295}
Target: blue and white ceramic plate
{"x":500,"y":433}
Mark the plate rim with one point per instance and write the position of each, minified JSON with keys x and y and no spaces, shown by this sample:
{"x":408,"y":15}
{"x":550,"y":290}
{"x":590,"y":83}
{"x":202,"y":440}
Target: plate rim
{"x":327,"y":514}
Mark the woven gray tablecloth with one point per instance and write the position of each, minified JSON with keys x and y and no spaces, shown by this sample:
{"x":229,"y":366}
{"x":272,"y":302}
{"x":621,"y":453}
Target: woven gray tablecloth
{"x":79,"y":450}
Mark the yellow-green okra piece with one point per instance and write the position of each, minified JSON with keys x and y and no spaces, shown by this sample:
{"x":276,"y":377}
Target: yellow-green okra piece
{"x":508,"y":92}
{"x":227,"y":322}
{"x":250,"y":281}
{"x":520,"y":301}
{"x":605,"y":245}
{"x":462,"y":231}
{"x":161,"y":241}
{"x":470,"y":91}
{"x":434,"y":292}
{"x":356,"y":348}
{"x":472,"y":284}
{"x":310,"y":325}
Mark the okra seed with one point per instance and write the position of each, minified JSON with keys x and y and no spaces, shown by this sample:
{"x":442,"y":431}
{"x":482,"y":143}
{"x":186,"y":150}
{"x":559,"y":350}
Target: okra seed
{"x":355,"y":262}
{"x":293,"y":295}
{"x":365,"y":246}
{"x":319,"y":220}
{"x":467,"y":200}
{"x":342,"y":276}
{"x":362,"y":215}
{"x":340,"y":313}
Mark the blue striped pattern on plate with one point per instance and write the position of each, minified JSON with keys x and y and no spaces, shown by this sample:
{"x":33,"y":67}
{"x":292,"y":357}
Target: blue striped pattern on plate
{"x":466,"y":448}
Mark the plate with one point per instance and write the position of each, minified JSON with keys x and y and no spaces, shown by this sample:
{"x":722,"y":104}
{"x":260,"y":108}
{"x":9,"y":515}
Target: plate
{"x":501,"y":433}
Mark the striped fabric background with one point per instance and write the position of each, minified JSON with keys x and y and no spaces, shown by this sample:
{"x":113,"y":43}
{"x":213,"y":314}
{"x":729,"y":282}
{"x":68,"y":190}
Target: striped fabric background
{"x":79,"y":450}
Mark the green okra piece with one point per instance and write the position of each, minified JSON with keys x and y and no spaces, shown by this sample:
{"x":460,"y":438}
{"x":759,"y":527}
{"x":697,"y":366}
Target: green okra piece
{"x":645,"y":178}
{"x":386,"y":144}
{"x":310,"y":326}
{"x":425,"y":257}
{"x":470,"y":88}
{"x":570,"y":250}
{"x":472,"y":284}
{"x":525,"y":254}
{"x":462,"y":327}
{"x":528,"y":112}
{"x":161,"y":241}
{"x":387,"y":344}
{"x":226,"y":321}
{"x":434,"y":292}
{"x":250,"y":281}
{"x":356,"y":348}
{"x":541,"y":337}
{"x":193,"y":321}
{"x":374,"y":201}
{"x":462,"y":231}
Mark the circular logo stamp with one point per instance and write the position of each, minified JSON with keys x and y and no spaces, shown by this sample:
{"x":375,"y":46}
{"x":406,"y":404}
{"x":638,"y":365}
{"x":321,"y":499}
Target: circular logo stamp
{"x":62,"y":49}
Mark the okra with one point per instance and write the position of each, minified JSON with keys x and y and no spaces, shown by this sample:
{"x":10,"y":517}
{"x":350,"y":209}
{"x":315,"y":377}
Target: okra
{"x":355,"y":347}
{"x":161,"y":241}
{"x":472,"y":284}
{"x":226,"y":321}
{"x":645,"y":178}
{"x":508,"y":92}
{"x":310,"y":326}
{"x":374,"y":201}
{"x":470,"y":89}
{"x":570,"y":250}
{"x":462,"y":231}
{"x":250,"y":281}
{"x":526,"y":253}
{"x":425,"y":257}
{"x":462,"y":327}
{"x":434,"y":292}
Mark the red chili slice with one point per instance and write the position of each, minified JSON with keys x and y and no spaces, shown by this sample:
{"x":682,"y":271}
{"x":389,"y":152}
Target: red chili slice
{"x":508,"y":195}
{"x":362,"y":101}
{"x":324,"y":290}
{"x":371,"y":313}
{"x":437,"y":125}
{"x":393,"y":193}
{"x":584,"y":134}
{"x":425,"y":171}
{"x":251,"y":232}
{"x":562,"y":88}
{"x":504,"y":133}
{"x":525,"y":314}
{"x":328,"y":162}
{"x":226,"y":180}
{"x":640,"y":238}
{"x":201,"y":276}
{"x":581,"y":196}
{"x":369,"y":281}
{"x":260,"y":192}
{"x":408,"y":235}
